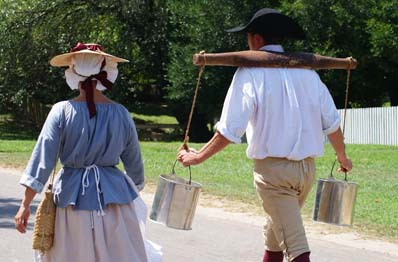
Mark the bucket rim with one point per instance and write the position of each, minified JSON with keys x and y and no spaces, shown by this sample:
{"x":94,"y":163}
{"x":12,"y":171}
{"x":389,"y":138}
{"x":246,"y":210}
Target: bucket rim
{"x":337,"y":180}
{"x":186,"y":182}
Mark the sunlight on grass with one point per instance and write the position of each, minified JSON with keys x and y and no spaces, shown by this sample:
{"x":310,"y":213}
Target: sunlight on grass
{"x":229,"y":174}
{"x":152,"y":119}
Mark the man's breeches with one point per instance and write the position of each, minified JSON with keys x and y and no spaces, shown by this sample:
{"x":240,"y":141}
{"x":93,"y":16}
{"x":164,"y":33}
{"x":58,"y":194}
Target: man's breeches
{"x":283,"y":186}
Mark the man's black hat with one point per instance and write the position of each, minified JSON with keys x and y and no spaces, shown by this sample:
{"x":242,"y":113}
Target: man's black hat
{"x":271,"y":22}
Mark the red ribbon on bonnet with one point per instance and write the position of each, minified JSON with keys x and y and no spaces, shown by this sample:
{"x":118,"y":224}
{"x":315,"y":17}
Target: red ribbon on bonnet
{"x":93,"y":47}
{"x":90,"y":83}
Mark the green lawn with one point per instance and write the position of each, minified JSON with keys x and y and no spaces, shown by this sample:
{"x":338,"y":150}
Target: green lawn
{"x":228,"y":174}
{"x":153,"y":114}
{"x":158,"y":119}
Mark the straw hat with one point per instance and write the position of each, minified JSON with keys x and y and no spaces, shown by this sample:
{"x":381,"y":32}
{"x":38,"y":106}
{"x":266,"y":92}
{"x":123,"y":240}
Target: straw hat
{"x":80,"y":48}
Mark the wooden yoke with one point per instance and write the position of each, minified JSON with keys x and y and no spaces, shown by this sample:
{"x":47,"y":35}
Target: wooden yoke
{"x":274,"y":59}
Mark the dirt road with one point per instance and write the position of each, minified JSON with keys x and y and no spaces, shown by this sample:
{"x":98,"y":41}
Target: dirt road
{"x":217,"y":236}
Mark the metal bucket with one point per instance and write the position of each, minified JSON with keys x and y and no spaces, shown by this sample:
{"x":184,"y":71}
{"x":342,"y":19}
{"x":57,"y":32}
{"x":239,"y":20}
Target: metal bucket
{"x":334,"y":201}
{"x":175,"y":201}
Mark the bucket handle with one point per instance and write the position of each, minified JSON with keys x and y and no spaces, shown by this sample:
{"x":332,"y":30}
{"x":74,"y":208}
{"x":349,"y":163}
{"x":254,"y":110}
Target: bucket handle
{"x":331,"y":171}
{"x":189,"y":167}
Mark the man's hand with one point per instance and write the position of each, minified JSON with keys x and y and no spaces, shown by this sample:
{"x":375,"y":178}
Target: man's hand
{"x":345,"y":164}
{"x":192,"y":157}
{"x":188,"y":158}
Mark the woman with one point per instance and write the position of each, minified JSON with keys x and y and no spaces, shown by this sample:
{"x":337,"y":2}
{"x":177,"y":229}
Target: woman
{"x":100,"y":215}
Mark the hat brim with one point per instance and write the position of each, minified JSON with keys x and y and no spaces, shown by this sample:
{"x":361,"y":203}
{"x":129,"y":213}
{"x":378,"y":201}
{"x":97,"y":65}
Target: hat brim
{"x":65,"y":59}
{"x":273,"y":24}
{"x":238,"y":29}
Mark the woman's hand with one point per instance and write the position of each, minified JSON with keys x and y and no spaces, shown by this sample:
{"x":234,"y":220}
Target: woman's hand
{"x":21,"y":218}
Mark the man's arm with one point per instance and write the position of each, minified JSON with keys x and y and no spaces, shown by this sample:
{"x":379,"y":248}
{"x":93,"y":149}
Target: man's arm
{"x":216,"y":144}
{"x":337,"y":140}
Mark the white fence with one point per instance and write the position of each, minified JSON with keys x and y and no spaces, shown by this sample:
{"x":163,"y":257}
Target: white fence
{"x":377,"y":125}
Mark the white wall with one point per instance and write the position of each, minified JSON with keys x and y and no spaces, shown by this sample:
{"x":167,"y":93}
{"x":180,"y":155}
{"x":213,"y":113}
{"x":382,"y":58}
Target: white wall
{"x":378,"y":125}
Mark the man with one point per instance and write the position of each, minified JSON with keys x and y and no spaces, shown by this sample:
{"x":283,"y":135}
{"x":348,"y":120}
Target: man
{"x":285,"y":113}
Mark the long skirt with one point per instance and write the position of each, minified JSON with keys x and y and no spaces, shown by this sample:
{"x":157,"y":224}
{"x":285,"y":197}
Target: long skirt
{"x":85,"y":236}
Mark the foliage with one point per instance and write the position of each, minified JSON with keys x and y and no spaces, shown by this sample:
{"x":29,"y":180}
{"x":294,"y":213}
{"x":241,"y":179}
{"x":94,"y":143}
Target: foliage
{"x":366,"y":30}
{"x":200,"y":26}
{"x":159,"y":38}
{"x":34,"y":31}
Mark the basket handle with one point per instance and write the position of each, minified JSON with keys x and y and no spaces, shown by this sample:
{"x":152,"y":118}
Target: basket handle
{"x":189,"y":167}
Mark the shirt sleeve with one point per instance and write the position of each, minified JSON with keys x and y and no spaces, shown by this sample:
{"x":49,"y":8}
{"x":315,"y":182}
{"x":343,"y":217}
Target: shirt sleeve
{"x":45,"y":152}
{"x":329,"y":113}
{"x":131,"y":156}
{"x":238,"y":108}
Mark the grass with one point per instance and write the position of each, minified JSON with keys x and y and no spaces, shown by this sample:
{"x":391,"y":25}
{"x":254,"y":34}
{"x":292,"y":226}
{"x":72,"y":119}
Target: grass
{"x":15,"y":130}
{"x":156,"y":123}
{"x":158,"y":119}
{"x":228,"y":174}
{"x":153,"y":114}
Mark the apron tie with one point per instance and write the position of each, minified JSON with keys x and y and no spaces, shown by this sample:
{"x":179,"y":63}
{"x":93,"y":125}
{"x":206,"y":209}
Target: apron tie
{"x":86,"y":183}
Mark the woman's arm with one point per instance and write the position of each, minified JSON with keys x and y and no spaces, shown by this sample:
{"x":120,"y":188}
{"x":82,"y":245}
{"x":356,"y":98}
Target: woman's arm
{"x":22,"y":216}
{"x":42,"y":162}
{"x":45,"y":153}
{"x":131,"y":156}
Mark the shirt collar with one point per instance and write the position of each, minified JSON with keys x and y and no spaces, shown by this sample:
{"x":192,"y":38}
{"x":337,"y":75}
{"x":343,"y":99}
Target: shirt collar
{"x":275,"y":48}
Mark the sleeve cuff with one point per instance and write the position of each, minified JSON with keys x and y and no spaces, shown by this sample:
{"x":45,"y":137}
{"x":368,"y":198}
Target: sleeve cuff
{"x":333,"y":128}
{"x":31,"y":182}
{"x":227,"y":134}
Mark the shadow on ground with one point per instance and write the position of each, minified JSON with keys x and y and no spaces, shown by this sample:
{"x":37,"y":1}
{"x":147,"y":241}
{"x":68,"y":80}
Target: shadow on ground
{"x":8,"y":209}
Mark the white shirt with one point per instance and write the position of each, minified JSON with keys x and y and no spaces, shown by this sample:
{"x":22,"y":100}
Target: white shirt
{"x":285,"y":112}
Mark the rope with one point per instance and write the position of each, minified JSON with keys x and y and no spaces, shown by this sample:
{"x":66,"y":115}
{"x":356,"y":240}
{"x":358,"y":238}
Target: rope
{"x":346,"y":92}
{"x":345,"y":109}
{"x":186,"y":137}
{"x":201,"y":69}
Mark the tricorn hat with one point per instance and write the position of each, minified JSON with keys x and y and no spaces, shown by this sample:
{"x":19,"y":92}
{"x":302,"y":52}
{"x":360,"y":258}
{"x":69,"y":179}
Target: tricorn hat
{"x":65,"y":59}
{"x":271,"y":22}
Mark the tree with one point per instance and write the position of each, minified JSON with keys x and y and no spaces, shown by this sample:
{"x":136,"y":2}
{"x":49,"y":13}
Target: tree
{"x":34,"y":31}
{"x":200,"y":25}
{"x":383,"y":31}
{"x":159,"y":38}
{"x":366,"y":30}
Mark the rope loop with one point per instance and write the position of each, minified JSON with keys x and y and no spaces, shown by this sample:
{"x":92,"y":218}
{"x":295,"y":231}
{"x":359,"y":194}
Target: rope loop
{"x":204,"y":56}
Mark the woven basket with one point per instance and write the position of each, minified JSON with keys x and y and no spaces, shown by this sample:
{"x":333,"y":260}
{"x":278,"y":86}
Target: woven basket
{"x":43,"y":232}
